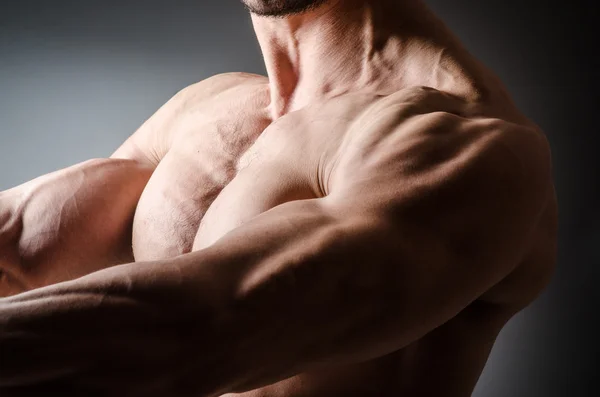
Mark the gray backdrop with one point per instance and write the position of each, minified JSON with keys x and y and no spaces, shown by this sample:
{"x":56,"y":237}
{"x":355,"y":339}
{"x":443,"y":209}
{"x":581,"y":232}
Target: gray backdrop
{"x":77,"y":77}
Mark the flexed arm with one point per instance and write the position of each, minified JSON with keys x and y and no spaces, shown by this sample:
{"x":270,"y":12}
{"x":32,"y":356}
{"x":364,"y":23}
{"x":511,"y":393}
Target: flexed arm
{"x":397,"y":248}
{"x":69,"y":223}
{"x":78,"y":220}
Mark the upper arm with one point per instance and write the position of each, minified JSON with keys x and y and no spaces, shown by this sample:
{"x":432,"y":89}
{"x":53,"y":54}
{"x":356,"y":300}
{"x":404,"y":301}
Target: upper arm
{"x":459,"y":199}
{"x":415,"y":228}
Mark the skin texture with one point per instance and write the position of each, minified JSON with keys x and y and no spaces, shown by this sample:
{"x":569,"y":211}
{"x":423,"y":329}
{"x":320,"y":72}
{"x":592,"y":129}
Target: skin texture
{"x":363,"y":221}
{"x":281,"y":8}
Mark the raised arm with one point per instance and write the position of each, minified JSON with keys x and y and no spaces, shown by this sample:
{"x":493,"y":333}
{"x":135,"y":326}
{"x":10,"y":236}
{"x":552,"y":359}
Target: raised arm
{"x":406,"y":239}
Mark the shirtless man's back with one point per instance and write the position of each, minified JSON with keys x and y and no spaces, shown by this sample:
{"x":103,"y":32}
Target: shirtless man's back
{"x":421,"y":125}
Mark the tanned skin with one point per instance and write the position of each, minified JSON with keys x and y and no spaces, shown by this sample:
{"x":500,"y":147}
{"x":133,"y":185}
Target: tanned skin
{"x":361,"y":222}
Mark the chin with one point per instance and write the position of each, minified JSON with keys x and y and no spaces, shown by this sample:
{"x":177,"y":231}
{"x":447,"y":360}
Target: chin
{"x":281,"y":8}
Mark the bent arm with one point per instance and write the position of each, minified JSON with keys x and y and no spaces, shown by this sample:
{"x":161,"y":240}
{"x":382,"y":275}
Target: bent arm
{"x":69,"y":223}
{"x":295,"y":289}
{"x":78,"y":220}
{"x":358,"y":274}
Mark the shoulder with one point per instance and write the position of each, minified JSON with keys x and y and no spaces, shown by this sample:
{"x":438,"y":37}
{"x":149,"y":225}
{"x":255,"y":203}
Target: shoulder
{"x":152,"y":140}
{"x":434,"y":138}
{"x":221,"y":89}
{"x":212,"y":87}
{"x":220,"y":83}
{"x":441,"y":164}
{"x":451,"y":185}
{"x":223,"y":86}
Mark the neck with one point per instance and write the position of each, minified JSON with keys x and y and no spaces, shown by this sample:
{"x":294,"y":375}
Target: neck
{"x":365,"y":45}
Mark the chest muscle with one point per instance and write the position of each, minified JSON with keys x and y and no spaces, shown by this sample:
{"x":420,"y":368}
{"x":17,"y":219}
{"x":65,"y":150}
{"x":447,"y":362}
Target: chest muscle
{"x":203,"y":189}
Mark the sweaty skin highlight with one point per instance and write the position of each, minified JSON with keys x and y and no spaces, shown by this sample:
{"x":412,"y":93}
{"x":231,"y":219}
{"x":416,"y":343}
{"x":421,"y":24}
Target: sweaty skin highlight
{"x":362,"y":221}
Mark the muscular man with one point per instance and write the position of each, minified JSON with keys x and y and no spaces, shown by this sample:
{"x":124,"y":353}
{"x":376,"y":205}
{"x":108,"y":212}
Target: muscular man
{"x":361,"y":222}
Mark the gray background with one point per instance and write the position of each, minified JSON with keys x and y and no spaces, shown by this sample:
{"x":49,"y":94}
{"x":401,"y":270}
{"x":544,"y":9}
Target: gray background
{"x":77,"y":77}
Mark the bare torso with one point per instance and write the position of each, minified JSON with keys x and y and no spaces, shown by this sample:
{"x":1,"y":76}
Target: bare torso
{"x":344,"y":102}
{"x":227,"y":163}
{"x":220,"y":162}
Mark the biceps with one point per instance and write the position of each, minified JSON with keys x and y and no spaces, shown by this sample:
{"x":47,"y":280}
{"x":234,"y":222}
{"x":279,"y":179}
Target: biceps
{"x":75,"y":220}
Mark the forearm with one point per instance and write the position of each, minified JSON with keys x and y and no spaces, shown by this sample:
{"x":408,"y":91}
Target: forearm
{"x":294,"y":289}
{"x":71,"y":222}
{"x":131,"y":329}
{"x":228,"y":318}
{"x":319,"y":292}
